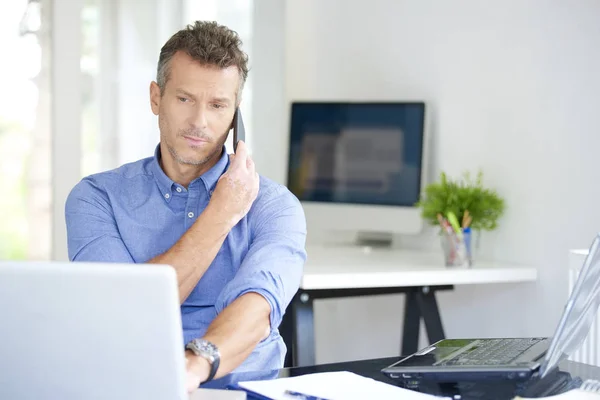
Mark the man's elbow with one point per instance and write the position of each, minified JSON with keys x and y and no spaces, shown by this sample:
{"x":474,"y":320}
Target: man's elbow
{"x":266,"y":321}
{"x":267,"y":331}
{"x":262,"y":309}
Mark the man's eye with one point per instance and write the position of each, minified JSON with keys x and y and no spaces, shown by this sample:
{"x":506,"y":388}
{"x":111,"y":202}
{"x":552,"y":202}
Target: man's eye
{"x":218,"y":106}
{"x":182,"y":99}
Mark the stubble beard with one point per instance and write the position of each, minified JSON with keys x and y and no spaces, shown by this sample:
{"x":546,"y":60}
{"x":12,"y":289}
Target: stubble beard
{"x":164,"y":127}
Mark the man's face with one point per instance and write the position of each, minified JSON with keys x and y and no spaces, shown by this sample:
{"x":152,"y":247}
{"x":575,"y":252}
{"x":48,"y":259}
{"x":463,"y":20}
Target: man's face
{"x":196,"y":109}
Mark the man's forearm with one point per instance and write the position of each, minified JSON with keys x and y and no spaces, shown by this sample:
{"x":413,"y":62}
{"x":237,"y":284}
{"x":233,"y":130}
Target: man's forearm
{"x":193,"y":253}
{"x":238,"y":329}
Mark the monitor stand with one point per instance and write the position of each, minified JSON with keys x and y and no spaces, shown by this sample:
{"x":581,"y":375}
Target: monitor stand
{"x":374,"y":239}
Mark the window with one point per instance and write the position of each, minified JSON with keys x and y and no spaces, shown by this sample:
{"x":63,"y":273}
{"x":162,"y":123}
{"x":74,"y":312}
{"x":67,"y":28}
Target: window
{"x":90,"y":121}
{"x":25,"y":140}
{"x":96,"y":118}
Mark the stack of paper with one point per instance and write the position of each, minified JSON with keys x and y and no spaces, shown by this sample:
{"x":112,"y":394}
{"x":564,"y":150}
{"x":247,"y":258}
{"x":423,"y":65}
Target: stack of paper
{"x":331,"y":386}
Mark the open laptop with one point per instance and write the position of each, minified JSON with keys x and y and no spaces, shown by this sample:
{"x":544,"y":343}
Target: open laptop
{"x":90,"y":331}
{"x":454,"y":360}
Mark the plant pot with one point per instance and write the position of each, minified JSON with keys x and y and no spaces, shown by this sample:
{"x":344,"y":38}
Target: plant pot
{"x":458,"y":248}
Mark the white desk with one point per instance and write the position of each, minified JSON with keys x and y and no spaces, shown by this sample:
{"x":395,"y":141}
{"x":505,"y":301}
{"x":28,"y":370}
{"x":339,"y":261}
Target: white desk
{"x":349,"y":267}
{"x":346,"y":271}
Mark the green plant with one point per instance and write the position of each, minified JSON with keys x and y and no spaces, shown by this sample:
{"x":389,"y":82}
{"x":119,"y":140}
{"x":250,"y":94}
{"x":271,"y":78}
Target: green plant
{"x":484,"y":205}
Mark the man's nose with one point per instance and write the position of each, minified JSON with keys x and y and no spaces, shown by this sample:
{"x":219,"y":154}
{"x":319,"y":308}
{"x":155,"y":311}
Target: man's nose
{"x":199,"y":119}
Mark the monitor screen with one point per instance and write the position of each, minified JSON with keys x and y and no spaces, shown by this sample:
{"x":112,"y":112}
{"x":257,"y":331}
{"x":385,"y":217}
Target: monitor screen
{"x":357,"y":153}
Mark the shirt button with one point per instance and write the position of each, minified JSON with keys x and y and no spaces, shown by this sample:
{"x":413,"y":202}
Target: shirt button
{"x":191,"y":214}
{"x":178,"y":189}
{"x":167,"y":195}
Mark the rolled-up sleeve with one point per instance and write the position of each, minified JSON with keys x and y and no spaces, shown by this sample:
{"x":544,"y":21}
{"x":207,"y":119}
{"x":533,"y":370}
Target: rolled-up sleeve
{"x":275,"y":259}
{"x":92,"y":232}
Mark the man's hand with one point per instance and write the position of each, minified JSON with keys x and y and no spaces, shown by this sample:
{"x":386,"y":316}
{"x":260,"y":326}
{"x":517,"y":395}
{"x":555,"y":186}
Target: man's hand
{"x":237,"y":188}
{"x":232,"y":198}
{"x":197,"y":369}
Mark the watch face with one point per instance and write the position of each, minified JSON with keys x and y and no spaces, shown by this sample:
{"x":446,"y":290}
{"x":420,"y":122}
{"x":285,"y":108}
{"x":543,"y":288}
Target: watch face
{"x":205,"y":349}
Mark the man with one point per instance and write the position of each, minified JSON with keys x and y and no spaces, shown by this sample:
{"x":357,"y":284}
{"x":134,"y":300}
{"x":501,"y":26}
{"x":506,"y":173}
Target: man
{"x":236,"y":240}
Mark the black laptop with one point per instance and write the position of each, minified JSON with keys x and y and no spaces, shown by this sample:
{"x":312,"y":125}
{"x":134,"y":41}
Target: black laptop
{"x":453,"y":360}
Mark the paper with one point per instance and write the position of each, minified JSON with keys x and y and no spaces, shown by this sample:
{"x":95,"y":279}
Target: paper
{"x":332,"y":386}
{"x":217,"y":394}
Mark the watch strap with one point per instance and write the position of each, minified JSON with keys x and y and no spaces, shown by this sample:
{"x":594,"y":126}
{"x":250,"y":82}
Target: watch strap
{"x":208,"y":351}
{"x":214,"y":366}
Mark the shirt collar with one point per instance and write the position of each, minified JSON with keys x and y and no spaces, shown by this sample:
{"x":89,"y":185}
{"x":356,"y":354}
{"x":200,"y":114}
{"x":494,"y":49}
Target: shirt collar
{"x":209,"y":178}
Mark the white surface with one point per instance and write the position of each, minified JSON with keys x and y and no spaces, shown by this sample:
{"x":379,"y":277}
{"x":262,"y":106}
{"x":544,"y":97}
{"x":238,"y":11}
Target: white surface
{"x":218,"y":394}
{"x":519,"y":103}
{"x":349,"y":267}
{"x":577,"y":257}
{"x":90,"y":331}
{"x":332,"y":385}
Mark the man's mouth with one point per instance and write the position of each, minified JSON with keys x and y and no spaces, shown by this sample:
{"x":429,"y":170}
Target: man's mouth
{"x":195,"y":141}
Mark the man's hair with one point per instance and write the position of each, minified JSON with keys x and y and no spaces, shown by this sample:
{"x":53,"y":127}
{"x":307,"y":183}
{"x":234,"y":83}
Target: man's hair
{"x":208,"y":43}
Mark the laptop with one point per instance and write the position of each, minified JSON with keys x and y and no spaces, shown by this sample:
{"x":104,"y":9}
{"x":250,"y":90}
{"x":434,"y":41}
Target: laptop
{"x":90,"y":331}
{"x":517,"y":359}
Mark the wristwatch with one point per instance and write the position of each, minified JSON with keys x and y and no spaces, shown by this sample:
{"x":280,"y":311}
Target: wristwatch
{"x":207,"y":350}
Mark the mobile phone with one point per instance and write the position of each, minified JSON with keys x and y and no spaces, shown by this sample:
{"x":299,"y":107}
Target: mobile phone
{"x":239,"y":133}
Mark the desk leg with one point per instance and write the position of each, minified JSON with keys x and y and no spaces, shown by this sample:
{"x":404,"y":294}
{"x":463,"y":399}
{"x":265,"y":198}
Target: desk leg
{"x":304,"y":330}
{"x":420,"y":302}
{"x":431,"y":315}
{"x":412,"y":323}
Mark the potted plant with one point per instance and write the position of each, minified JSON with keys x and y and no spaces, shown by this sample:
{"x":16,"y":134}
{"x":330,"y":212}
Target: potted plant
{"x":459,"y":207}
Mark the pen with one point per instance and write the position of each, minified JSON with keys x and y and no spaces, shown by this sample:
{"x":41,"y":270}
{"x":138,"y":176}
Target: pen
{"x":303,"y":396}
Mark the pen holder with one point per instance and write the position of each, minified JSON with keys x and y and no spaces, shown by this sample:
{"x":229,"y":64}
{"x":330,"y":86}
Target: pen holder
{"x":457,"y":248}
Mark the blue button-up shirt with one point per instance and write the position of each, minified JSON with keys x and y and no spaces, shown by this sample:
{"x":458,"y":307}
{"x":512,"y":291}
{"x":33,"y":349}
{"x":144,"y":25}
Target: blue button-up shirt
{"x":136,"y":212}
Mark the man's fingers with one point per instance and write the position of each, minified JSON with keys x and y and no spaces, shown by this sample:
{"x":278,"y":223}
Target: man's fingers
{"x":250,"y":165}
{"x":241,"y":154}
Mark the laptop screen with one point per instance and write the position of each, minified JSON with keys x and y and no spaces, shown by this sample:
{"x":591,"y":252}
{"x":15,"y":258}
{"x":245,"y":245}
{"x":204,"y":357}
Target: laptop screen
{"x":579,"y":313}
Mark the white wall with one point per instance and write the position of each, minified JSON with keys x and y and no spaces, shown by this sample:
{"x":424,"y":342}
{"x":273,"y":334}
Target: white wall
{"x":269,"y":143}
{"x":514,"y":90}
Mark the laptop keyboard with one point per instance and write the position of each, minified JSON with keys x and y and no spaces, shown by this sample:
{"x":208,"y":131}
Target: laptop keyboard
{"x":493,"y":352}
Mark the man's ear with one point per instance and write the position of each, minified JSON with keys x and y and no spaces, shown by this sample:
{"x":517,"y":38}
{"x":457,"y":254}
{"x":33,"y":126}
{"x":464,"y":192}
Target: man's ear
{"x":155,"y":97}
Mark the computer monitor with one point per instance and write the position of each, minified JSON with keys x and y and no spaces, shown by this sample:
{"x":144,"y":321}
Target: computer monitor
{"x":358,"y":166}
